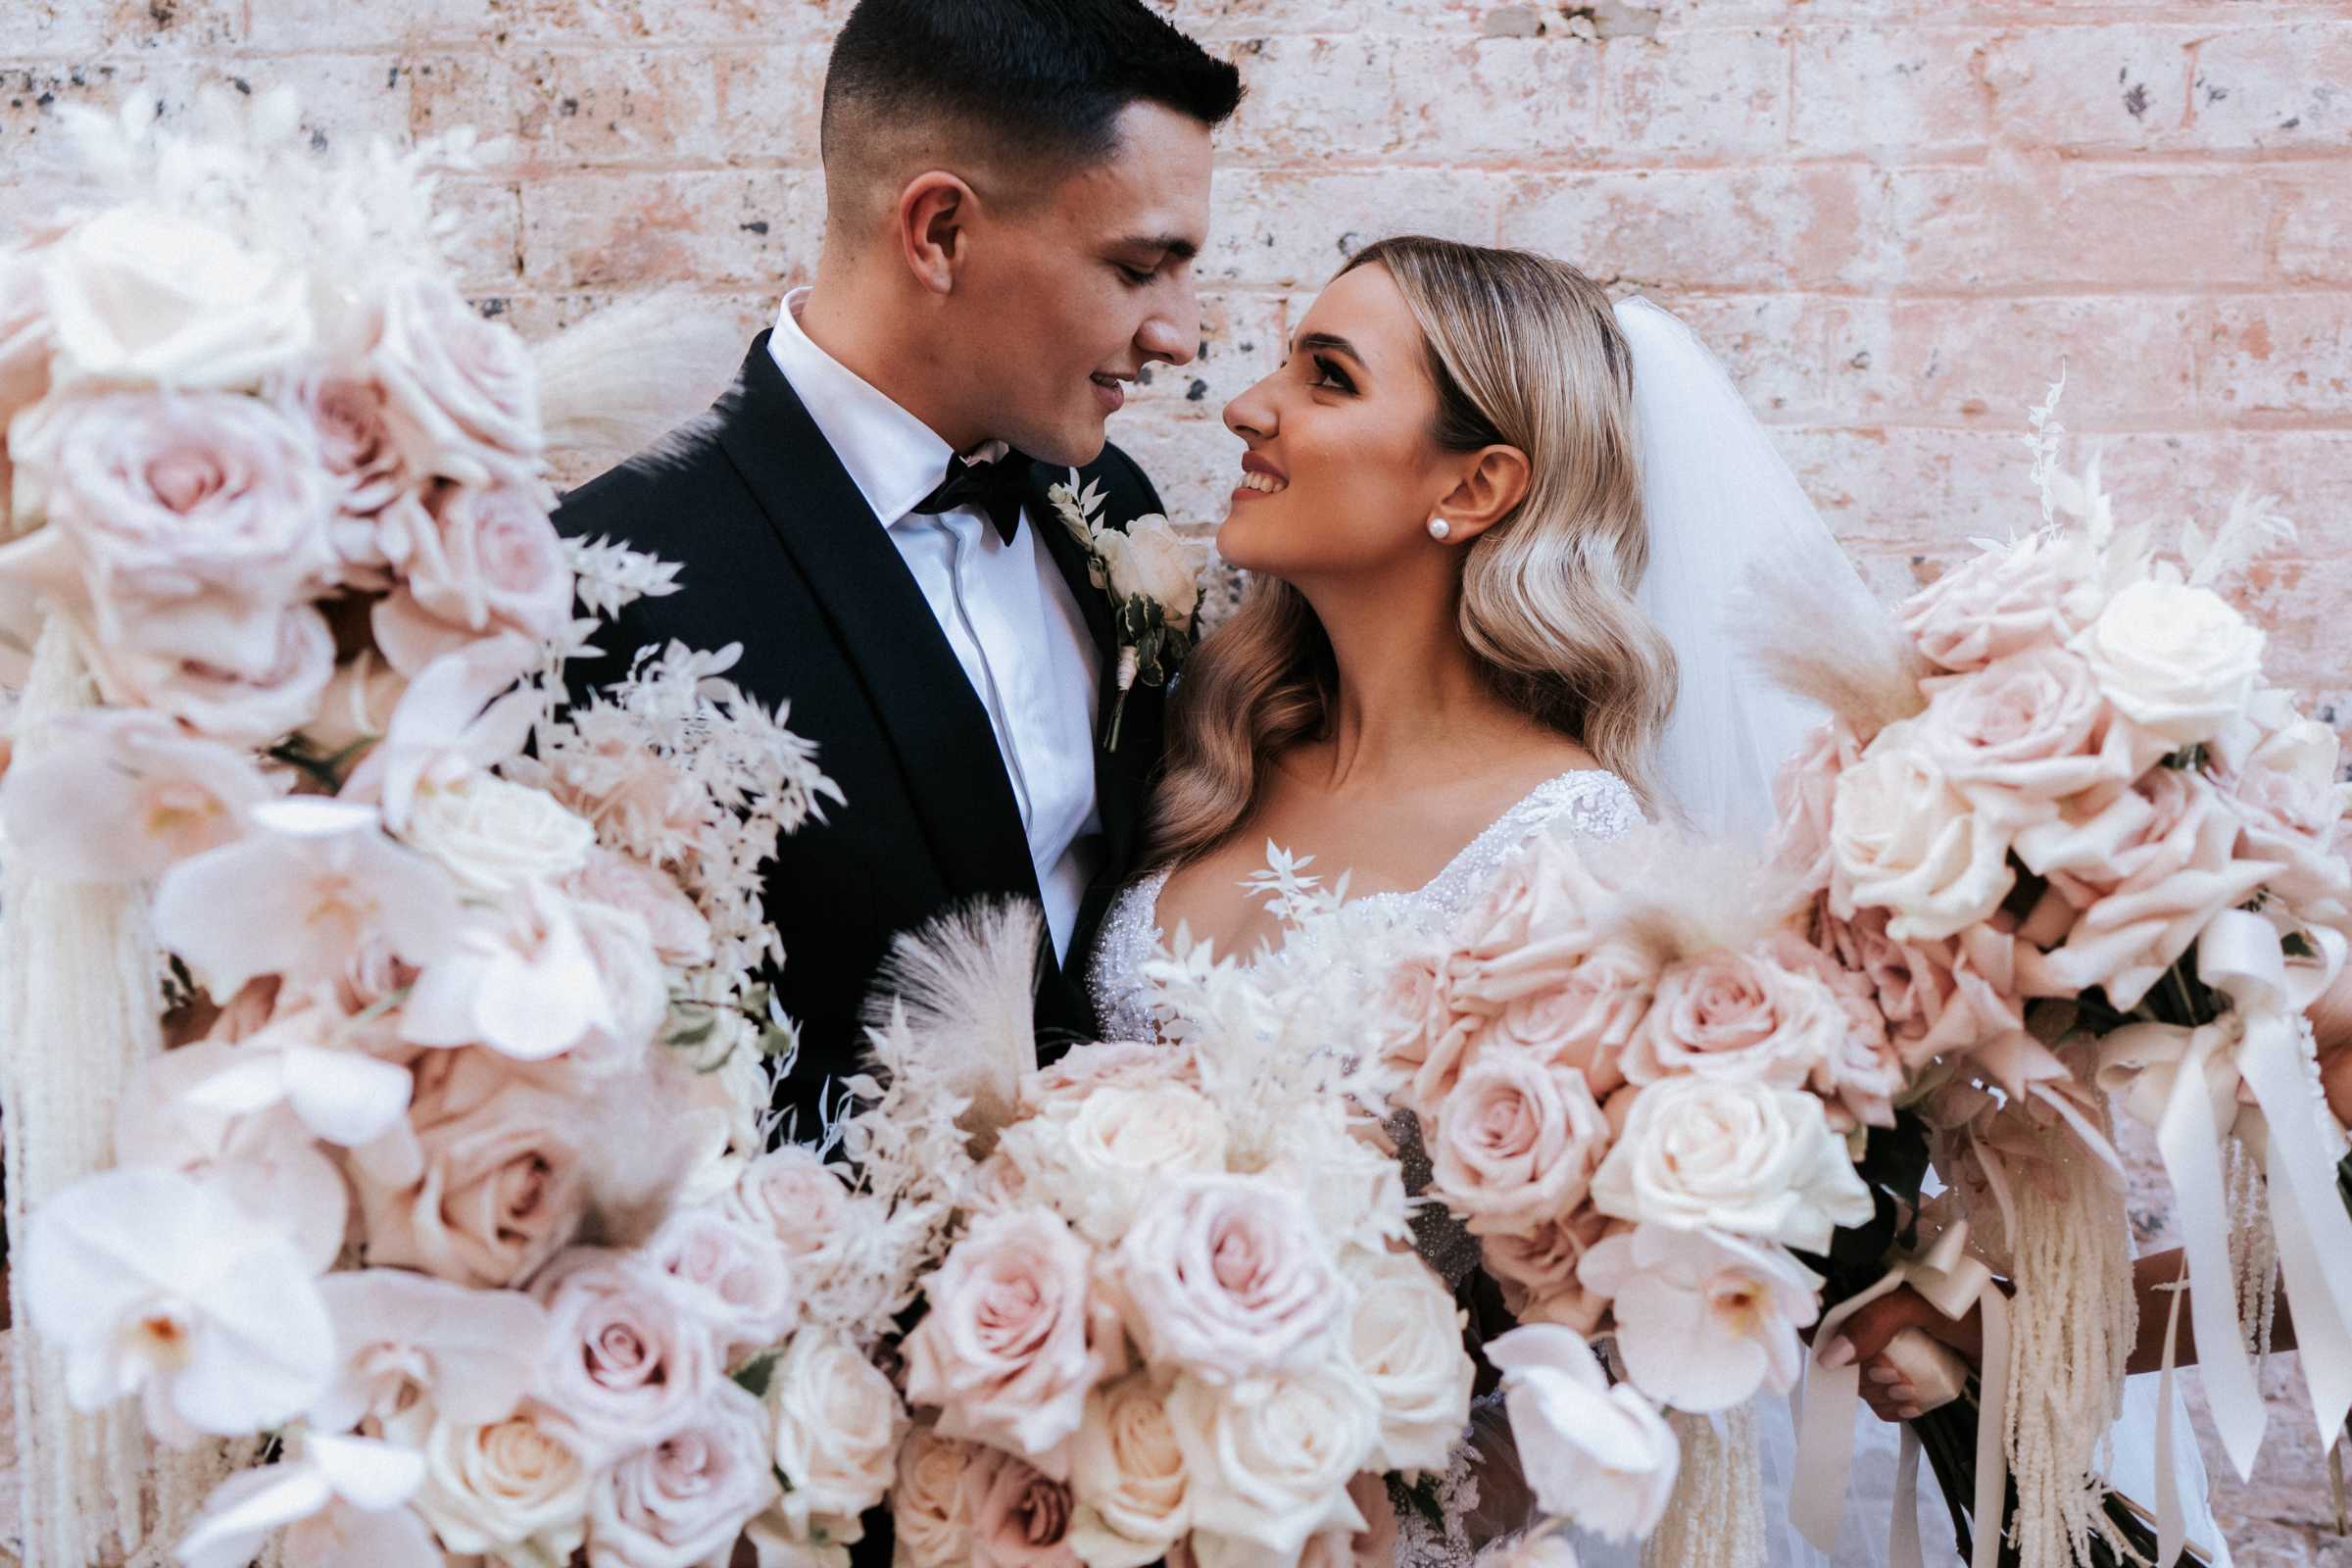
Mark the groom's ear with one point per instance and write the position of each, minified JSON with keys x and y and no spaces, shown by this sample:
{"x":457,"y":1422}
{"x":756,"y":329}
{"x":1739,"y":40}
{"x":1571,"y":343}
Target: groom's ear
{"x":1490,"y":489}
{"x":934,"y":211}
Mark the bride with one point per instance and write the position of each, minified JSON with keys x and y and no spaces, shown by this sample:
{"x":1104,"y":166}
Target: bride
{"x":1492,"y":522}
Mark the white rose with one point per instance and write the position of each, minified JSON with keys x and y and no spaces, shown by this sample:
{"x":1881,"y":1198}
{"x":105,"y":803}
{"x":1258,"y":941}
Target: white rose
{"x":1228,"y":1276}
{"x":1270,"y":1458}
{"x":838,"y":1426}
{"x":140,"y":295}
{"x":1103,"y":1157}
{"x":1597,"y":1455}
{"x":1723,"y":1154}
{"x":734,"y":1276}
{"x":495,"y":836}
{"x":510,"y":1488}
{"x":2176,"y":658}
{"x":1127,"y":1475}
{"x":1902,"y":839}
{"x":1406,"y":1339}
{"x":1159,"y":564}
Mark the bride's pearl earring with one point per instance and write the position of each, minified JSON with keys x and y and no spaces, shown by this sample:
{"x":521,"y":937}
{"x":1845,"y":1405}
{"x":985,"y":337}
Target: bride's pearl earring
{"x":1438,"y":527}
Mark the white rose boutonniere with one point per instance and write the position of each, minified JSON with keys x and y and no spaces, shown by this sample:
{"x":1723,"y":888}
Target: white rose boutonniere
{"x":1153,"y":574}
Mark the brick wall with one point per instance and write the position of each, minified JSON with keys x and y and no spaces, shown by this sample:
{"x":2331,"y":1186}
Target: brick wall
{"x":1894,"y":218}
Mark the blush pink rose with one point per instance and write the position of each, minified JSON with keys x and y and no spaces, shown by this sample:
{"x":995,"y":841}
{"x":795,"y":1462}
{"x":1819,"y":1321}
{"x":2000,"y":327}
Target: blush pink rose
{"x":1584,"y":1019}
{"x":168,"y":495}
{"x":2294,"y":801}
{"x":217,"y":666}
{"x":1119,"y":1063}
{"x":1014,"y":1337}
{"x":684,"y":1500}
{"x":491,"y":563}
{"x":1727,"y":1014}
{"x":1227,"y":1276}
{"x":1020,"y":1517}
{"x":1933,"y":1000}
{"x":462,"y":397}
{"x":1516,"y":1142}
{"x":790,"y":1193}
{"x":2028,"y":731}
{"x":736,"y":1276}
{"x":345,"y":417}
{"x":1412,"y":1012}
{"x":498,"y":1185}
{"x":1537,"y":1269}
{"x":627,"y":1365}
{"x":930,"y":1506}
{"x":1805,"y":792}
{"x":2004,"y":601}
{"x":680,"y":934}
{"x":1861,"y":1072}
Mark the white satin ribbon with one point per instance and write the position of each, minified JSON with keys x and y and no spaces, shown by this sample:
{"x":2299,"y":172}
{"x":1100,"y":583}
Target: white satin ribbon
{"x":2187,"y":1082}
{"x":1952,"y":1282}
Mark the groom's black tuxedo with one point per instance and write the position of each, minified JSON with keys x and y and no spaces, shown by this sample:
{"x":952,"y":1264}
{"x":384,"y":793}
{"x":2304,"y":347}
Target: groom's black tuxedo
{"x":781,"y":553}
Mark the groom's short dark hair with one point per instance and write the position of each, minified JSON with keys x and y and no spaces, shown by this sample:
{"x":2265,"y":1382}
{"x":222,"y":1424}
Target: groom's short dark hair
{"x":1041,"y":82}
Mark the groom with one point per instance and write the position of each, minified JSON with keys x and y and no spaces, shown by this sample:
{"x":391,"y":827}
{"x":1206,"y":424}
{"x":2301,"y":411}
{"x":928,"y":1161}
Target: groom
{"x":1015,"y":191}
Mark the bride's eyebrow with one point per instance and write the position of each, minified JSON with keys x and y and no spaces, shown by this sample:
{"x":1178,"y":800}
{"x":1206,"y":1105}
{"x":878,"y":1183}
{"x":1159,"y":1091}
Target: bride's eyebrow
{"x":1333,"y":343}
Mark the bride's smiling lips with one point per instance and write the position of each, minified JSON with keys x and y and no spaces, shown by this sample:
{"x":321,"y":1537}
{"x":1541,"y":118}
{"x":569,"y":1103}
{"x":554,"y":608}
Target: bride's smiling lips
{"x":1259,"y":477}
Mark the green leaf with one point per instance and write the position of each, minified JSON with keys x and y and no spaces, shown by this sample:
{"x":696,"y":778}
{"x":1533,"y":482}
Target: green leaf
{"x":755,"y":1375}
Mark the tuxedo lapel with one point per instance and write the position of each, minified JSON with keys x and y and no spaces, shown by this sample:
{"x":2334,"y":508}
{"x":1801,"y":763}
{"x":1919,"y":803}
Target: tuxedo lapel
{"x":1114,"y":797}
{"x":918,"y":692}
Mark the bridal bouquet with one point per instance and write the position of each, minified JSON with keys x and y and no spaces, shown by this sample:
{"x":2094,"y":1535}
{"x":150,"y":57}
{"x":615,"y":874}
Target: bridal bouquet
{"x":1169,"y":1314}
{"x":1644,"y":1096}
{"x":449,"y":1199}
{"x":2073,"y":845}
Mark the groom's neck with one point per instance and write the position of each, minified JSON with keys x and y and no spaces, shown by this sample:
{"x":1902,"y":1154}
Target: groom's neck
{"x":891,"y":340}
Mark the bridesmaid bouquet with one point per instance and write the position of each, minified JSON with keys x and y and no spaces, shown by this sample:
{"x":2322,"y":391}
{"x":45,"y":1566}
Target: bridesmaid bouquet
{"x":2076,"y":846}
{"x":449,"y":1199}
{"x":1170,"y":1314}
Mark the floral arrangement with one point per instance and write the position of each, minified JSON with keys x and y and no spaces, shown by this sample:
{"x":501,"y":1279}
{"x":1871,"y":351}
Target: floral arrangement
{"x":1168,"y":1312}
{"x":450,"y":1197}
{"x":2069,"y":842}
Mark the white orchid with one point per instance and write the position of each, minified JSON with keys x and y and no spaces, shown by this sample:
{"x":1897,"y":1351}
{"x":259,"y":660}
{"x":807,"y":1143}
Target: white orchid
{"x":341,"y":1501}
{"x":1599,"y":1456}
{"x":1703,"y":1319}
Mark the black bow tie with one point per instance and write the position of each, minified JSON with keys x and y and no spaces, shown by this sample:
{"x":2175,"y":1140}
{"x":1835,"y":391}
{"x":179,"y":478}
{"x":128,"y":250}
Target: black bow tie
{"x":992,"y":488}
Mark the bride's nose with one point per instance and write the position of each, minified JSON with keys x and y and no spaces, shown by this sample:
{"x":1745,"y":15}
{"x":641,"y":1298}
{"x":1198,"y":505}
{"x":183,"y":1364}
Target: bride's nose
{"x":1251,"y":415}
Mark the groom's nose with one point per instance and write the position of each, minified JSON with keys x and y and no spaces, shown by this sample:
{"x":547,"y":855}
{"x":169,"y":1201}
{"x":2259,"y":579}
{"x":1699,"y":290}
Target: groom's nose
{"x":1173,"y":332}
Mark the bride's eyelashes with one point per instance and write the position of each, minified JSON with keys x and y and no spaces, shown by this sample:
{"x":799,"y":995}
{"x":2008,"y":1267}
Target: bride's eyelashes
{"x":1332,"y":378}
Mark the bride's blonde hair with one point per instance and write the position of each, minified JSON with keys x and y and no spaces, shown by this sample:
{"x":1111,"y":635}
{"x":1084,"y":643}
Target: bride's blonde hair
{"x":1525,"y":352}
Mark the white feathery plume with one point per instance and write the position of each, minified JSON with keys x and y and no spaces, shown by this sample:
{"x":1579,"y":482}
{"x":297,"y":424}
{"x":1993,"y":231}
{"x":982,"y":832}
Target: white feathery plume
{"x":2253,"y":529}
{"x":638,"y":374}
{"x":961,"y":990}
{"x":1677,"y":895}
{"x":1845,"y":652}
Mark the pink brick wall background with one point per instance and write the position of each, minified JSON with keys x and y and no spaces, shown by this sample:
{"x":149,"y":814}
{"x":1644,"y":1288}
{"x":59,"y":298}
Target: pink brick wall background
{"x":1894,"y":218}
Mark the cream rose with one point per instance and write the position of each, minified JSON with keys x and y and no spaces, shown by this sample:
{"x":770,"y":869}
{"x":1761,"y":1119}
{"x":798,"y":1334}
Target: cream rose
{"x":685,"y":1498}
{"x":499,"y":1183}
{"x":1537,"y":1270}
{"x":1406,"y":1338}
{"x":1723,"y":1155}
{"x":930,"y":1507}
{"x":495,"y":836}
{"x":2294,"y":800}
{"x":512,"y":1488}
{"x":462,"y":396}
{"x":1021,"y":1516}
{"x":626,"y":1366}
{"x":838,"y":1422}
{"x":2174,"y":659}
{"x":217,"y":667}
{"x":1127,"y":1474}
{"x":1227,"y":1277}
{"x":1014,"y":1337}
{"x":1159,"y":564}
{"x":1726,"y":1014}
{"x":1903,"y":839}
{"x":1516,"y":1142}
{"x":1104,"y":1155}
{"x":141,"y":295}
{"x":1082,"y":1069}
{"x":1270,"y":1459}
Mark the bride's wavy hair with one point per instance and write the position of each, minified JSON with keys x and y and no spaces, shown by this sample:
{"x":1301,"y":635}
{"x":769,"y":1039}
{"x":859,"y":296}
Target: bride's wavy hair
{"x":1525,"y":352}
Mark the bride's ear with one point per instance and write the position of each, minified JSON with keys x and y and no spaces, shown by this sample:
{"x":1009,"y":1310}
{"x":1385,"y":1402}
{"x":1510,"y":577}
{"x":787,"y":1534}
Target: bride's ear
{"x":1490,"y":490}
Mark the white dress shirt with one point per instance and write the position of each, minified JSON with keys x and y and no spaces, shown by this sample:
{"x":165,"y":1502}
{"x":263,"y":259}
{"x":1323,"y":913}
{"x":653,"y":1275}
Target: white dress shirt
{"x":1007,"y":609}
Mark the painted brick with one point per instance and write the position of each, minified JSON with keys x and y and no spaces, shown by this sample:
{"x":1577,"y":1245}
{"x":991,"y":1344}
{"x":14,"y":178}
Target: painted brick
{"x":2286,"y":86}
{"x":1898,"y":90}
{"x":2032,"y":222}
{"x":1293,"y":227}
{"x":751,"y":227}
{"x":2113,"y":86}
{"x":1775,"y":227}
{"x":2287,"y":355}
{"x":1707,"y":94}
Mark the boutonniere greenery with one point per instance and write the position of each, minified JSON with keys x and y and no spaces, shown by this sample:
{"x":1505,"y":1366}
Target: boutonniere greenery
{"x":1153,"y":575}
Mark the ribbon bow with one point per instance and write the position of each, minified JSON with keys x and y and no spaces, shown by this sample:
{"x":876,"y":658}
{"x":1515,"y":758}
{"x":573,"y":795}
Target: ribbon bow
{"x":2185,"y":1082}
{"x":1952,"y":1281}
